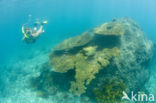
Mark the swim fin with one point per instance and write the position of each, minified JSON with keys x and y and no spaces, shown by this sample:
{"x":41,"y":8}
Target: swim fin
{"x":45,"y":22}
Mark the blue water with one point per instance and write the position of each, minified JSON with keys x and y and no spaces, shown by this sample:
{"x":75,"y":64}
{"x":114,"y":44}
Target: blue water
{"x":66,"y":18}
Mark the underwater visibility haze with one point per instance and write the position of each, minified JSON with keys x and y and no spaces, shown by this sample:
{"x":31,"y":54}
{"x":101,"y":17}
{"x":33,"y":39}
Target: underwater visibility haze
{"x":85,"y":51}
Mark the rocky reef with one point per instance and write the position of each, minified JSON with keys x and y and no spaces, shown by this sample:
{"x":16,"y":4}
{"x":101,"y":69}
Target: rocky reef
{"x":102,"y":62}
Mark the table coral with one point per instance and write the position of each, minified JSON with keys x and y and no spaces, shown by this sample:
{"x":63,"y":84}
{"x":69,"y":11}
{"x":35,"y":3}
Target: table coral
{"x":74,"y":42}
{"x":111,"y":28}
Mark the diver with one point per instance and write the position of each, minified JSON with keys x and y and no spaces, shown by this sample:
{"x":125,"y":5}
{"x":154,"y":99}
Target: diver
{"x":30,"y":35}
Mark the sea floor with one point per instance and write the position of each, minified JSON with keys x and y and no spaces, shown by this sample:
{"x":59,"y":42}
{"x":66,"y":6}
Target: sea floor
{"x":15,"y":80}
{"x":16,"y":74}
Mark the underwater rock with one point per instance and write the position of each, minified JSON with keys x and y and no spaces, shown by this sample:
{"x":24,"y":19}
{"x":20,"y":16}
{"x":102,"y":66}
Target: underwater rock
{"x":114,"y":49}
{"x":114,"y":56}
{"x":136,"y":52}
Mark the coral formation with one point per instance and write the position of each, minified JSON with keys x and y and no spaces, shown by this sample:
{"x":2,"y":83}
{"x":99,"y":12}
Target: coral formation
{"x":90,"y":52}
{"x":111,"y":92}
{"x":116,"y":49}
{"x":111,"y":28}
{"x":75,"y":42}
{"x":85,"y":67}
{"x":87,"y":60}
{"x":62,"y":63}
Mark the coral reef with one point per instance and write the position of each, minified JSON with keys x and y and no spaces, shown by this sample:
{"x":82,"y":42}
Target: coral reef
{"x":89,"y":63}
{"x":111,"y":43}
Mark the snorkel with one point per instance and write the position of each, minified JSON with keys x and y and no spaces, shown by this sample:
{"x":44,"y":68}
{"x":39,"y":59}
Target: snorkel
{"x":23,"y":31}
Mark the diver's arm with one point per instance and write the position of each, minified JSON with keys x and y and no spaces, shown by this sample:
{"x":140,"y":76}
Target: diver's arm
{"x":38,"y":32}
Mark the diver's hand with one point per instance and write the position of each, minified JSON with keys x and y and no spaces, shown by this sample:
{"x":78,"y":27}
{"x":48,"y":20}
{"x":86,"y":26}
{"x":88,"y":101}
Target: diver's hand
{"x":23,"y":25}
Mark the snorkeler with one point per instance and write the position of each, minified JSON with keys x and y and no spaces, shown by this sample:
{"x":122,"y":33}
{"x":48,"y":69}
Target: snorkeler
{"x":30,"y":35}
